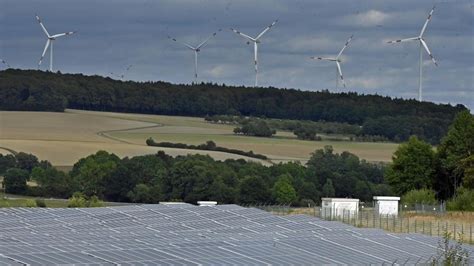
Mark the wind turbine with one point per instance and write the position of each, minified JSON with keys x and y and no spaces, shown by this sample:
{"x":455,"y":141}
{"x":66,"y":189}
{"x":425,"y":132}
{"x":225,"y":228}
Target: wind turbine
{"x":338,"y":61}
{"x":196,"y":50}
{"x":422,"y":45}
{"x":49,"y":43}
{"x":5,"y":63}
{"x":123,"y":74}
{"x":255,"y":41}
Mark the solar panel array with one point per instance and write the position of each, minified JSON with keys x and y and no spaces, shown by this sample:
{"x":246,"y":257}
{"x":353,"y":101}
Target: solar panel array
{"x":195,"y":235}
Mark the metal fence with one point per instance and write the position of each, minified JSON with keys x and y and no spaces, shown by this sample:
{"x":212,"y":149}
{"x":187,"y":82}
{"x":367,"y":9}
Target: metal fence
{"x":405,"y":222}
{"x":416,"y":219}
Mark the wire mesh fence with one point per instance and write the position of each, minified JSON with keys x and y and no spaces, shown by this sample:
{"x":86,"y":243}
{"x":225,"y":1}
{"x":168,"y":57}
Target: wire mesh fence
{"x":425,"y":220}
{"x":406,"y":222}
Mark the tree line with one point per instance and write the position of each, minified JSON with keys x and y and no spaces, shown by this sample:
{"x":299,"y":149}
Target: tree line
{"x":393,"y":118}
{"x":208,"y":146}
{"x":426,"y":174}
{"x":160,"y":177}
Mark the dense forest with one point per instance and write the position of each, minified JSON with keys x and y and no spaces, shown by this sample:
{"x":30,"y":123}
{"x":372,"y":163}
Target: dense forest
{"x":395,"y":119}
{"x":160,"y":177}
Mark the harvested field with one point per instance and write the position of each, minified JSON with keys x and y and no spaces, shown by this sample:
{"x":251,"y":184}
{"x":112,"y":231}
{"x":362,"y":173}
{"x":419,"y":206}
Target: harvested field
{"x":63,"y":138}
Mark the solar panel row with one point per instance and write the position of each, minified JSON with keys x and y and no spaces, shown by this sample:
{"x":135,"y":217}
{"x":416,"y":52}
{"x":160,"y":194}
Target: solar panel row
{"x":184,"y":234}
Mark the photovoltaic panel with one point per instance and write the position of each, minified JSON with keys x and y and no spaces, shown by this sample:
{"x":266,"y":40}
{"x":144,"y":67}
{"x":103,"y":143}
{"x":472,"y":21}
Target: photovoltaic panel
{"x":184,"y":234}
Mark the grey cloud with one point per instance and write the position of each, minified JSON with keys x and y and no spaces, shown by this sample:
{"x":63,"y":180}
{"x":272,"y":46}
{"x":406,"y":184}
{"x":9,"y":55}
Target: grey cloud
{"x":114,"y":34}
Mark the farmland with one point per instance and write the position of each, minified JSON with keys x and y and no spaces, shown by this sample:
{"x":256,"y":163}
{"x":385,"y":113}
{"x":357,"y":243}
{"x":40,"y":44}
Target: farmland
{"x":63,"y":138}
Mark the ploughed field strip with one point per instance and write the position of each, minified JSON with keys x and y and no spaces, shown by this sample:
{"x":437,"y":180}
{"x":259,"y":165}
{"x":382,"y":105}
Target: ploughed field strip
{"x":184,"y":234}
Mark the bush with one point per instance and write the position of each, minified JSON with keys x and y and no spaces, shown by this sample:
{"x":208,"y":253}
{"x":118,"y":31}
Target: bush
{"x":421,"y":196}
{"x":31,"y":203}
{"x":40,"y":203}
{"x":77,"y":201}
{"x":462,"y":201}
{"x":307,"y":203}
{"x":95,"y":202}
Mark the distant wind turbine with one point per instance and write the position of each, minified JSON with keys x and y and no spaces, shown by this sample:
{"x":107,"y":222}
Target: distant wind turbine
{"x":5,"y":63}
{"x":196,"y":50}
{"x":255,"y":41}
{"x":121,"y":77}
{"x":338,"y":61}
{"x":422,"y":45}
{"x":49,"y":43}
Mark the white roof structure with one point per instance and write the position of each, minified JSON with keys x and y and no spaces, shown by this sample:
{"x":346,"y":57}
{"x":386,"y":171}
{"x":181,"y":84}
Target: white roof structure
{"x":340,"y":200}
{"x":386,"y":198}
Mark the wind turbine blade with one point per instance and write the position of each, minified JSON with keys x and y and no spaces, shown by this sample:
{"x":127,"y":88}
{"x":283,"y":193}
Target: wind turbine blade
{"x":183,"y":43}
{"x":340,"y":73}
{"x":5,"y":63}
{"x":128,"y":68}
{"x":428,"y":51}
{"x":266,"y":29}
{"x":345,"y":45}
{"x":42,"y":26}
{"x":44,"y":51}
{"x":63,"y":34}
{"x":323,"y":58}
{"x":205,"y":41}
{"x":427,"y":21}
{"x":243,"y":35}
{"x":404,"y":40}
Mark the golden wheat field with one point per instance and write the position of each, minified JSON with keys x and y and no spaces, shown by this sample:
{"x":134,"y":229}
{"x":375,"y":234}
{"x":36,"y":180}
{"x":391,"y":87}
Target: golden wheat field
{"x":63,"y":138}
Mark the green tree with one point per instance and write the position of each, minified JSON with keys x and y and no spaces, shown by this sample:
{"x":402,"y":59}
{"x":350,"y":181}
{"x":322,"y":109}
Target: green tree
{"x":90,"y":173}
{"x":145,"y":194}
{"x":253,"y":189}
{"x":362,"y":191}
{"x":420,"y":196}
{"x":6,"y":162}
{"x":51,"y":182}
{"x":14,"y":181}
{"x":454,"y":152}
{"x":26,"y":161}
{"x":462,"y":201}
{"x":413,"y":166}
{"x":468,"y":166}
{"x":283,"y":191}
{"x":328,"y":189}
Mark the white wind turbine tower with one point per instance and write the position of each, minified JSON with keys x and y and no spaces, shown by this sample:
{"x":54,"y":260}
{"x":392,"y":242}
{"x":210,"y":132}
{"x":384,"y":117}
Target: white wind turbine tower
{"x":196,"y":50}
{"x":255,"y":41}
{"x":422,"y":45}
{"x":49,"y":43}
{"x":338,"y":61}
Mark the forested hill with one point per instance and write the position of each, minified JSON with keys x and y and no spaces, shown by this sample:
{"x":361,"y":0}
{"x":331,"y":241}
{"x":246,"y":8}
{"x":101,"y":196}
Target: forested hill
{"x":395,"y":119}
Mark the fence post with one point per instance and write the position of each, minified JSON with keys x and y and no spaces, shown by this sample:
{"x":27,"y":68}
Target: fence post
{"x":470,"y":233}
{"x":438,"y":228}
{"x":431,"y":229}
{"x":401,"y":225}
{"x":462,"y":231}
{"x":408,"y":218}
{"x":373,"y":219}
{"x":415,"y":225}
{"x":454,"y":231}
{"x":380,"y":221}
{"x":423,"y":226}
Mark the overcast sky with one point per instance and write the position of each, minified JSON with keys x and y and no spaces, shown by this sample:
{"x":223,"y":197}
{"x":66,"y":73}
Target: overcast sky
{"x":116,"y":33}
